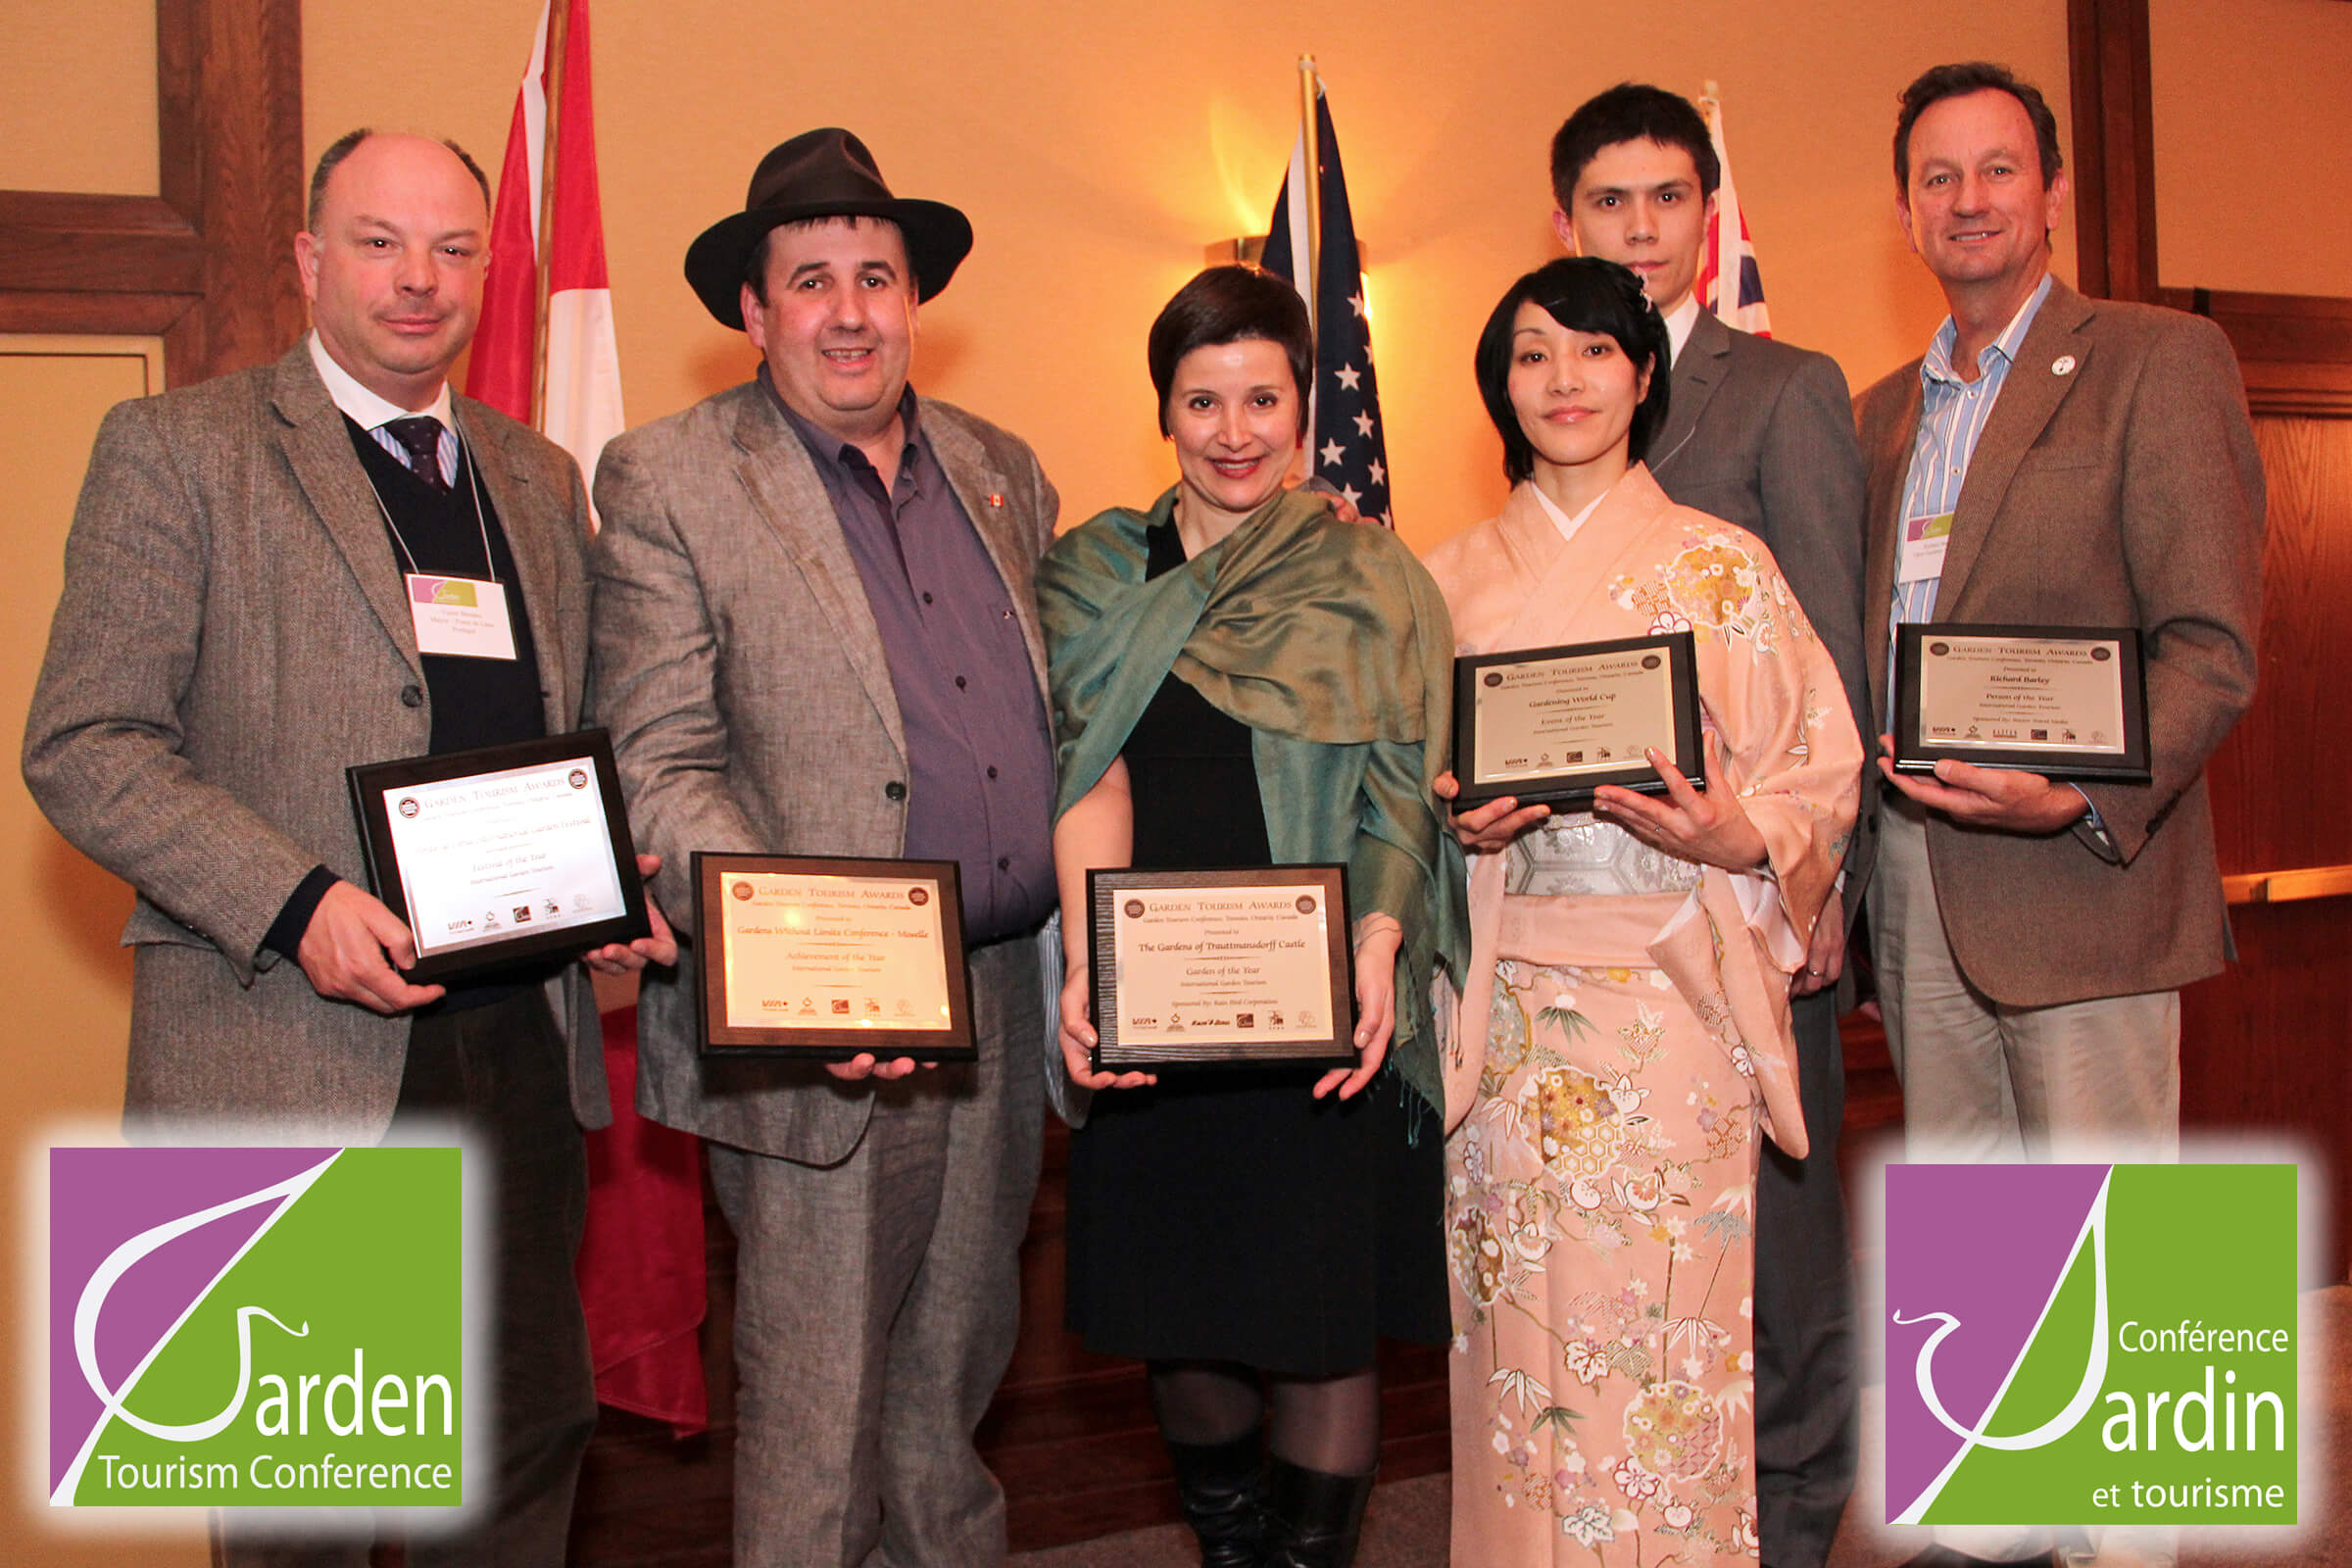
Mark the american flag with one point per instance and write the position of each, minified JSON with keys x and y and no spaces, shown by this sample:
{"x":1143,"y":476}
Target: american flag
{"x":1729,"y":252}
{"x":1349,"y":449}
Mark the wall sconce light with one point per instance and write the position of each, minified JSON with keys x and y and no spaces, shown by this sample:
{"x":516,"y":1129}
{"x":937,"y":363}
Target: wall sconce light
{"x":1249,"y":250}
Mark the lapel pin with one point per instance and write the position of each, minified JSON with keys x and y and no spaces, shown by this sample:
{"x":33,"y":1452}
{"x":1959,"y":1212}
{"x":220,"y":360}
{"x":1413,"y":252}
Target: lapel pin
{"x":997,"y":502}
{"x":2063,"y":365}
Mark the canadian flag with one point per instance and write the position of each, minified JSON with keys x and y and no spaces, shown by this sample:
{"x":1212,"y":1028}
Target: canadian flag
{"x":582,"y":409}
{"x":641,"y":1264}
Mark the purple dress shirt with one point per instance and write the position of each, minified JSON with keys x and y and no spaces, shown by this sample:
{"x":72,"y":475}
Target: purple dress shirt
{"x":980,"y":764}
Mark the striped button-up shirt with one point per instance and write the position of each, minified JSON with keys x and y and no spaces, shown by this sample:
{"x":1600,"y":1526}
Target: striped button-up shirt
{"x":1951,"y":415}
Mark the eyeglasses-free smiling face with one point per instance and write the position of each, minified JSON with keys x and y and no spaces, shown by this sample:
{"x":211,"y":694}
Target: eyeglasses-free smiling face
{"x":1638,"y":203}
{"x":1974,"y":204}
{"x":837,"y":329}
{"x":1233,"y":414}
{"x":1574,"y":392}
{"x":393,"y":273}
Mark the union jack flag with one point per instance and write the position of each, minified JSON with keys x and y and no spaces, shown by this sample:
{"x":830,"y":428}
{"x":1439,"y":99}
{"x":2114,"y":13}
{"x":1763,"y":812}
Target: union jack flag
{"x":1349,"y":449}
{"x":1729,"y":252}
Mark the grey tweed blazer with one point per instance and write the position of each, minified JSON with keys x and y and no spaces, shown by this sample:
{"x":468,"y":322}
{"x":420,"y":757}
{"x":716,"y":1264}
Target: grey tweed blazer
{"x":233,"y":633}
{"x":739,"y":670}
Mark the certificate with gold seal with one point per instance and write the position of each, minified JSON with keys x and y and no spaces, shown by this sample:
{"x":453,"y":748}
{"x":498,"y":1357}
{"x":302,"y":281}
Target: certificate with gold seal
{"x":1200,"y":968}
{"x":2064,"y":701}
{"x":826,"y":958}
{"x":501,"y":855}
{"x":1555,"y":724}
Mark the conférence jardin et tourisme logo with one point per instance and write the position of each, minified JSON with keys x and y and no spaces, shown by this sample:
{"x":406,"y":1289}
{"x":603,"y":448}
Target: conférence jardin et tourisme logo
{"x":256,"y":1328}
{"x":2090,"y":1345}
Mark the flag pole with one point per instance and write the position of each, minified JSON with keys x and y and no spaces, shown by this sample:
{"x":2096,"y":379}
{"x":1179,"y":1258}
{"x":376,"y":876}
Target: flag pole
{"x":1313,"y":274}
{"x":559,"y":25}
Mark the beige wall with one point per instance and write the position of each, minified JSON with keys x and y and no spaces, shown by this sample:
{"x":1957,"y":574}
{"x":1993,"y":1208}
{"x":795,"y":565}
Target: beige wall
{"x":74,"y":81}
{"x":2253,"y":169}
{"x":1098,"y":149}
{"x":67,"y":1012}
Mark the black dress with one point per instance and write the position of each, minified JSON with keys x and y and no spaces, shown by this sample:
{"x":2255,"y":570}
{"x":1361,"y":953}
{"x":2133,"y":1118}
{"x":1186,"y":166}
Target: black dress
{"x":1226,"y":1214}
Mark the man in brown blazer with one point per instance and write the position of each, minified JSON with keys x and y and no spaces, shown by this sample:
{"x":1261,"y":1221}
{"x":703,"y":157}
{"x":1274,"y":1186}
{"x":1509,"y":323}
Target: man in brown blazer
{"x":814,"y":634}
{"x":2053,"y":461}
{"x":234,"y":632}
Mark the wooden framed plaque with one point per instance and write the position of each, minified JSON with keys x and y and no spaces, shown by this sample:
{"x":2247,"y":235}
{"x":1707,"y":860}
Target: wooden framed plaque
{"x":1551,"y":726}
{"x":501,"y":855}
{"x":2064,"y":701}
{"x":1221,"y":968}
{"x":828,"y":958}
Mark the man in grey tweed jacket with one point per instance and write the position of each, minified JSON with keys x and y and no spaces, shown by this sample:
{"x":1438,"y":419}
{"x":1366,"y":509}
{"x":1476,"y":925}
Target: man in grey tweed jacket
{"x":234,"y":632}
{"x":814,"y":634}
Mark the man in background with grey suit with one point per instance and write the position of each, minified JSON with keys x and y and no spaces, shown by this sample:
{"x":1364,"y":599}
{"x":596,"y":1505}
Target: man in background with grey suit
{"x":814,"y":634}
{"x":1759,"y":434}
{"x":234,"y":632}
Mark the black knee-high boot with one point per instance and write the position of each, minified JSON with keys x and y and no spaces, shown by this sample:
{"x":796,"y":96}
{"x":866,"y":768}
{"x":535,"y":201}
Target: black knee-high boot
{"x":1222,"y":1487}
{"x":1312,"y":1517}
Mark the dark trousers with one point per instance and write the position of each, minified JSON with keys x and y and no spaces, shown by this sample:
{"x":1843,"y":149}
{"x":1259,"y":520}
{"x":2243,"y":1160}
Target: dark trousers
{"x":500,"y":1072}
{"x":1807,"y":1382}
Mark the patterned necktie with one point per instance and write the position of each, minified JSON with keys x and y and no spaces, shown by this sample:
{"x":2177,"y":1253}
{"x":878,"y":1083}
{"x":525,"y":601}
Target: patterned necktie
{"x":420,"y":433}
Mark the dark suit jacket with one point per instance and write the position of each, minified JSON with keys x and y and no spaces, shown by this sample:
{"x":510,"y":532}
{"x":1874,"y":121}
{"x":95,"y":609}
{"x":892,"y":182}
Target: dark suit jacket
{"x":739,"y":670}
{"x":2115,"y":483}
{"x":233,"y":633}
{"x":1761,"y":434}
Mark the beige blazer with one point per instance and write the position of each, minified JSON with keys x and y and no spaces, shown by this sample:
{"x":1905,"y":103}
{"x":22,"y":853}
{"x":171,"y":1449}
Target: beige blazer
{"x":232,"y":635}
{"x":739,"y":670}
{"x":2115,"y":484}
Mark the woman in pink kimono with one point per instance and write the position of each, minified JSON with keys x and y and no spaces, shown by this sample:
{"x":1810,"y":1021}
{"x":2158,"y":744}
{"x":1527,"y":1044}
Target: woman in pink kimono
{"x":1624,"y":1032}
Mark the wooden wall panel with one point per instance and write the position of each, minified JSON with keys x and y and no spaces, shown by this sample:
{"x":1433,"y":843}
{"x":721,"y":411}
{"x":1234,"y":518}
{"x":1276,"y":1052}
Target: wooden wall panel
{"x":204,"y":263}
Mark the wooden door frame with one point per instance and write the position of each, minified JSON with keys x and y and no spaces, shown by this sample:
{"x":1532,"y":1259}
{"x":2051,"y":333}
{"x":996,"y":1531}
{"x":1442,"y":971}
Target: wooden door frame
{"x":203,"y":263}
{"x":2295,"y":349}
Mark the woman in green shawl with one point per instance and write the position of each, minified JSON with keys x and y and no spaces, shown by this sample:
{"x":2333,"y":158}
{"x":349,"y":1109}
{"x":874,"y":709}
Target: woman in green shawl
{"x":1241,"y":680}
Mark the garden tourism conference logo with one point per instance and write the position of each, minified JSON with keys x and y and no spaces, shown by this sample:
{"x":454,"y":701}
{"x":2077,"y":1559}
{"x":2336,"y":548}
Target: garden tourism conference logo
{"x":255,"y":1328}
{"x":2090,"y":1345}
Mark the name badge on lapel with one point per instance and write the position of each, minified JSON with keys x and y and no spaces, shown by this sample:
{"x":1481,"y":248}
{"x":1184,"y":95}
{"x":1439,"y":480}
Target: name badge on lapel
{"x":462,"y":615}
{"x":1923,"y":547}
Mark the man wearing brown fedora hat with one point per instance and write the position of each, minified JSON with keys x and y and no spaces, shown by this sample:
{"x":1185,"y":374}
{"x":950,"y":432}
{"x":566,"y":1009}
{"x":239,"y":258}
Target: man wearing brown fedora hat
{"x":813,"y":634}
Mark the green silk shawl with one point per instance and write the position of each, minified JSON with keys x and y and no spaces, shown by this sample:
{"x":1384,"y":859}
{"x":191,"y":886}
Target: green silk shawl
{"x":1333,"y":645}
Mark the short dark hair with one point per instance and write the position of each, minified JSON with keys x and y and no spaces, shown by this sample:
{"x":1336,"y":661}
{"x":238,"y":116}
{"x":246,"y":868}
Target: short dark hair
{"x":1584,"y":294}
{"x":345,"y":145}
{"x":1229,"y":305}
{"x":1631,"y":112}
{"x":754,"y":259}
{"x":1939,"y":82}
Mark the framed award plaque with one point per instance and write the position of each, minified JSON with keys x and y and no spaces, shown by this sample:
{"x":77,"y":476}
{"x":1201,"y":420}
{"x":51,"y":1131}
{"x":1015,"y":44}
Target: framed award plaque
{"x":501,"y":855}
{"x":1551,"y":726}
{"x":1221,"y":968}
{"x":827,"y":959}
{"x":2064,"y":701}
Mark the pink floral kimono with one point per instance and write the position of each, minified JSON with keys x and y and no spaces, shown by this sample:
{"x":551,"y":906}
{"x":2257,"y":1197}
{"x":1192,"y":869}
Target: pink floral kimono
{"x":1623,"y":1038}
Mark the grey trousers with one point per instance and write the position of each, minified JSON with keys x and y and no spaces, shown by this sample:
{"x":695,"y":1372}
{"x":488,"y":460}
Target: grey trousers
{"x":1806,"y":1383}
{"x":876,"y":1303}
{"x":501,"y":1071}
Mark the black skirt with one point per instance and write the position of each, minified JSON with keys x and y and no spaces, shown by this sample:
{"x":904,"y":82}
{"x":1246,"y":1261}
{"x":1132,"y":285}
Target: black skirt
{"x":1226,"y":1214}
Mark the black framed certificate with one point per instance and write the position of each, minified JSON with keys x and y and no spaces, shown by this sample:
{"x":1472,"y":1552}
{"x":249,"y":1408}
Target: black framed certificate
{"x":2064,"y":701}
{"x":829,"y":958}
{"x":1221,"y":968}
{"x":502,"y":853}
{"x":1555,"y":724}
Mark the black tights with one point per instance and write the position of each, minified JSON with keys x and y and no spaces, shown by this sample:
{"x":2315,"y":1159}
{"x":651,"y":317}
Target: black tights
{"x":1327,"y":1424}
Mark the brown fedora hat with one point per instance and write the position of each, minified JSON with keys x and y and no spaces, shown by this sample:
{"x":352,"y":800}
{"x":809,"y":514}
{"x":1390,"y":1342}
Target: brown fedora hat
{"x":821,"y":173}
